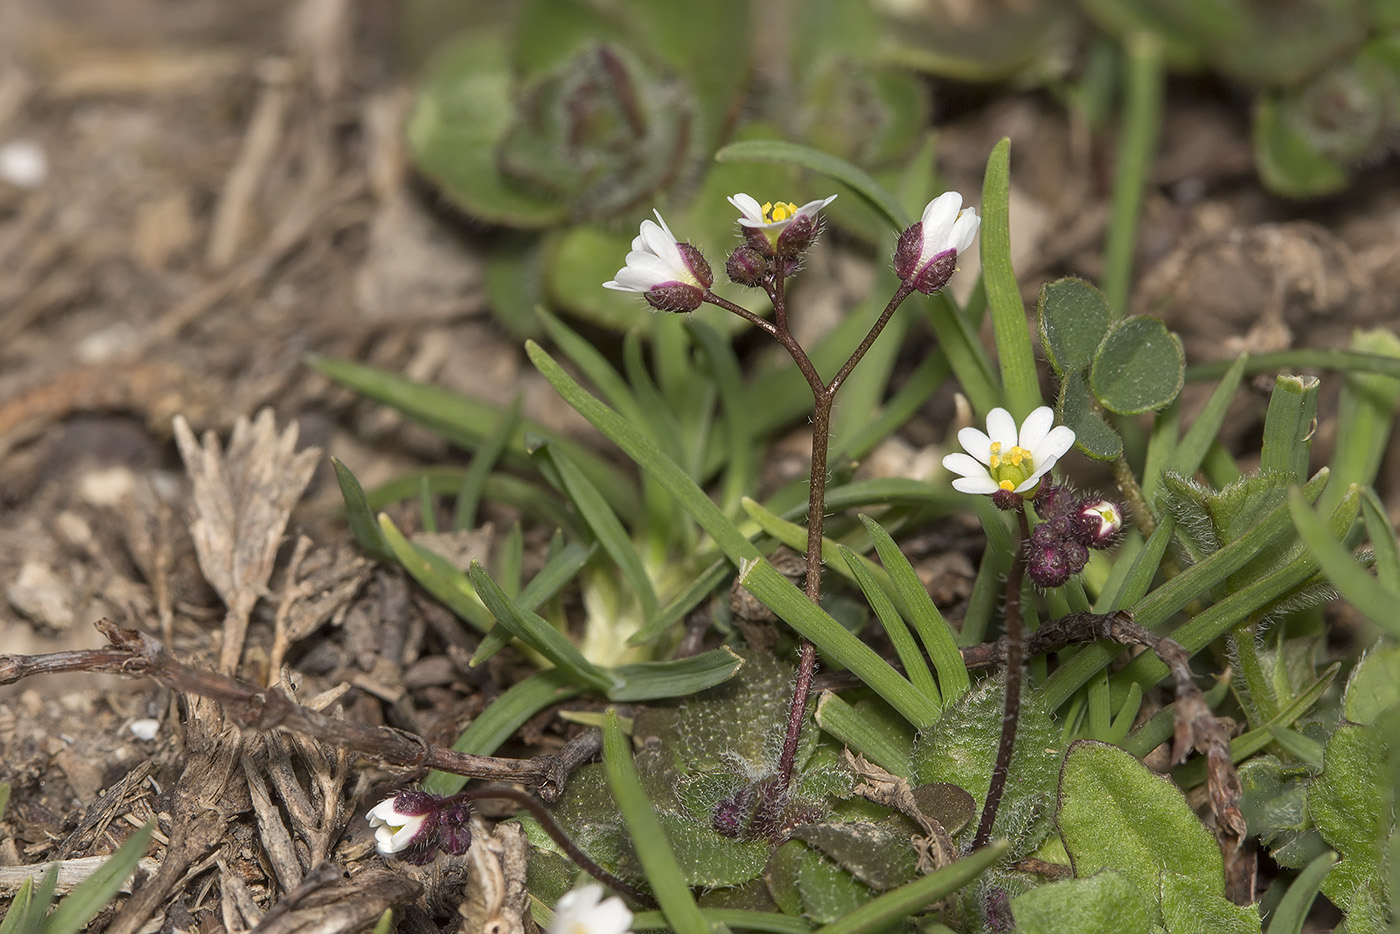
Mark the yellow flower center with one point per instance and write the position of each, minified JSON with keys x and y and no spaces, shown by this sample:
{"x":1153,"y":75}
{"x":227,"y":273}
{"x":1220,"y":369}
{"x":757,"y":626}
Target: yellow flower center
{"x":1011,"y":469}
{"x":774,"y":213}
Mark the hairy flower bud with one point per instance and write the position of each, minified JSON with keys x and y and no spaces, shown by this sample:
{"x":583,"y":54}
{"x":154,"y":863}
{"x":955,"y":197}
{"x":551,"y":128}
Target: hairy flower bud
{"x":798,"y":236}
{"x":1097,"y":524}
{"x":1052,"y":558}
{"x":747,"y":266}
{"x":416,"y":824}
{"x":927,"y":253}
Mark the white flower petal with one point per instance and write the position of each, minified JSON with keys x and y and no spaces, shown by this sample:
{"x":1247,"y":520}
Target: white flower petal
{"x":965,"y":230}
{"x":812,"y":207}
{"x":937,"y":221}
{"x":1001,"y":428}
{"x":1036,"y":426}
{"x":964,"y":465}
{"x":750,"y":210}
{"x":976,"y":443}
{"x":1056,"y":444}
{"x":982,"y":486}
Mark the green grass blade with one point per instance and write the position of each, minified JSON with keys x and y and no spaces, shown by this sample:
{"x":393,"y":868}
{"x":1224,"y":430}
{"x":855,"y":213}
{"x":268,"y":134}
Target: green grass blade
{"x":653,"y":850}
{"x":501,"y":718}
{"x":83,"y":903}
{"x":648,"y":681}
{"x":915,"y":668}
{"x":1351,"y":579}
{"x":795,"y":537}
{"x":816,"y":625}
{"x":1137,"y":145}
{"x":449,"y":585}
{"x":530,"y":498}
{"x":468,"y":423}
{"x":358,"y":514}
{"x":910,"y":398}
{"x":22,"y":905}
{"x":740,"y":919}
{"x":483,"y":463}
{"x":928,"y":622}
{"x":1365,"y":415}
{"x":968,"y":358}
{"x":538,"y":634}
{"x":1383,"y":541}
{"x":741,"y":466}
{"x":770,"y":587}
{"x":544,"y":586}
{"x":700,"y":587}
{"x":1348,"y":361}
{"x":606,"y":527}
{"x":904,"y":901}
{"x":1289,"y":425}
{"x":783,"y":153}
{"x":845,"y":723}
{"x":1191,"y":451}
{"x":1157,"y":607}
{"x":1161,"y":446}
{"x":868,"y":384}
{"x":1297,"y":902}
{"x":1135,"y":584}
{"x":1019,"y":378}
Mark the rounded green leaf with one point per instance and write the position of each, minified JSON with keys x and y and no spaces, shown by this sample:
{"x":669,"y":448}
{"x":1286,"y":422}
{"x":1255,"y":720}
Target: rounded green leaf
{"x":460,"y":115}
{"x":1286,"y":158}
{"x":1116,"y":813}
{"x":1092,"y":434}
{"x":1074,"y":318}
{"x":1104,"y":903}
{"x":1139,"y":367}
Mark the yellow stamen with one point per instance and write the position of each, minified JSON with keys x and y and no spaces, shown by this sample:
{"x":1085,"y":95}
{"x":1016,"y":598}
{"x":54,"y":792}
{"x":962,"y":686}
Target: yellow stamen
{"x":773,"y":213}
{"x":1007,"y":485}
{"x":995,"y":457}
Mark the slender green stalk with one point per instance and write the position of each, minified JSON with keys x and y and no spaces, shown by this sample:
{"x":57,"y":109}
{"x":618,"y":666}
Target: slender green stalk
{"x":1137,"y":143}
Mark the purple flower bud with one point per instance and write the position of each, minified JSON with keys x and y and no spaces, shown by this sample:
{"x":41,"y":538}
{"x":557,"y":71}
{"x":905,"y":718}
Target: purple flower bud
{"x":416,"y":824}
{"x":1007,"y":500}
{"x":732,"y":814}
{"x":699,"y":266}
{"x":798,"y":236}
{"x":747,"y":266}
{"x":675,"y":297}
{"x":1097,"y":524}
{"x":927,"y":253}
{"x":1054,"y":500}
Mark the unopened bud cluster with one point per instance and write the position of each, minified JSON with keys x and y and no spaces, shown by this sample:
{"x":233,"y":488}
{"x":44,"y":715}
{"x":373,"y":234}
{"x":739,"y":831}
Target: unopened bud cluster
{"x":1073,"y":524}
{"x":416,"y":824}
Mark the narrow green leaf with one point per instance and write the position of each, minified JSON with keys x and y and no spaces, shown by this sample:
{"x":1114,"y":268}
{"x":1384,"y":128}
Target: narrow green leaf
{"x":1019,"y":378}
{"x":1293,"y":908}
{"x":591,"y":362}
{"x":544,"y":586}
{"x":868,"y":384}
{"x":1347,"y":361}
{"x":1137,"y":146}
{"x":815,"y":624}
{"x":845,"y":723}
{"x":928,"y":622}
{"x":83,"y":903}
{"x":483,"y":463}
{"x":649,"y":681}
{"x":606,"y":527}
{"x":538,"y":634}
{"x":1365,"y":415}
{"x":911,"y":397}
{"x":501,"y":718}
{"x":357,"y":512}
{"x":966,"y":355}
{"x":1157,"y":607}
{"x":783,"y":153}
{"x":385,"y":924}
{"x":469,"y":423}
{"x":1191,"y":450}
{"x":700,"y":587}
{"x":531,"y":499}
{"x":1289,"y":426}
{"x":1141,"y":571}
{"x":653,"y":850}
{"x":17,"y":917}
{"x":915,"y":668}
{"x":1383,"y":540}
{"x":438,"y":577}
{"x":4,"y":798}
{"x":427,"y":514}
{"x":795,"y":537}
{"x":908,"y":899}
{"x":741,"y":465}
{"x":735,"y":918}
{"x":1360,"y":589}
{"x":774,"y":590}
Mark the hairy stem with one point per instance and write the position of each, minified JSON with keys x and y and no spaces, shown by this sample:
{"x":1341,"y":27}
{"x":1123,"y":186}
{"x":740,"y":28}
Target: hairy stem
{"x":1011,"y":715}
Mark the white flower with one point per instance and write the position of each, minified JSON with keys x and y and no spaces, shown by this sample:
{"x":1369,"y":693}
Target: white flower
{"x":672,"y":275}
{"x":773,"y":218}
{"x":585,"y":911}
{"x":394,"y":830}
{"x":928,"y":252}
{"x":1003,"y":458}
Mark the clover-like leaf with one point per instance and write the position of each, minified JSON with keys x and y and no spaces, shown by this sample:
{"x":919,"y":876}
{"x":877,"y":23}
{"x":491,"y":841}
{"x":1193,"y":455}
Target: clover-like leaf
{"x":1076,"y":408}
{"x":1139,"y":367}
{"x":1074,"y":317}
